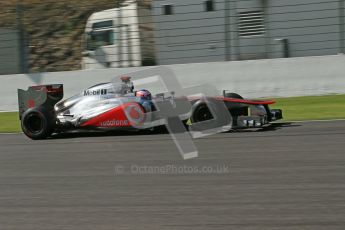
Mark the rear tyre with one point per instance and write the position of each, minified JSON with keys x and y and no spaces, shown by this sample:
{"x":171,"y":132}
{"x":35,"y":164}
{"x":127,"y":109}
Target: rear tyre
{"x":38,"y":123}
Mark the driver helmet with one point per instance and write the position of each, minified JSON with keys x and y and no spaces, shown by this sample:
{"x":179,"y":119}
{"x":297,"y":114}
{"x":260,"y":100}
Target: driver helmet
{"x":143,"y":94}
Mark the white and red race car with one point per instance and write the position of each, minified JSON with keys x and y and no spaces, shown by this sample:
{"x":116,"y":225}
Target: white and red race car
{"x":111,"y":106}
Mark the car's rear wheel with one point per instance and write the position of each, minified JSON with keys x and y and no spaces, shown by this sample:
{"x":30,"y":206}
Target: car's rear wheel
{"x":37,"y":123}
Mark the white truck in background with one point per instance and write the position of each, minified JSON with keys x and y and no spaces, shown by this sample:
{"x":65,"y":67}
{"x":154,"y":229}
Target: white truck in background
{"x":120,"y":37}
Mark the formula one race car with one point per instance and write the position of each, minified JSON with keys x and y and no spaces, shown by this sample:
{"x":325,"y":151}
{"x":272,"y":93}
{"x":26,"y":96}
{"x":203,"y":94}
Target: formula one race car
{"x":110,"y":106}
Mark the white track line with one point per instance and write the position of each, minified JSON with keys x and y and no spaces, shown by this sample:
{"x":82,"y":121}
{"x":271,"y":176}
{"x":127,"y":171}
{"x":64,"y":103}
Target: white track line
{"x":307,"y":121}
{"x":8,"y":111}
{"x":10,"y":133}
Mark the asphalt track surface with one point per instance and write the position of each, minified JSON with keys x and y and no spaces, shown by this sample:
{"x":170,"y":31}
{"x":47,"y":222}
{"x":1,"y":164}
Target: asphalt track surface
{"x":290,"y":176}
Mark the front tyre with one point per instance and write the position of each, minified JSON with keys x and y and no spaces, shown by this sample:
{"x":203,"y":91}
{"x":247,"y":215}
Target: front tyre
{"x":201,"y":113}
{"x":37,"y":123}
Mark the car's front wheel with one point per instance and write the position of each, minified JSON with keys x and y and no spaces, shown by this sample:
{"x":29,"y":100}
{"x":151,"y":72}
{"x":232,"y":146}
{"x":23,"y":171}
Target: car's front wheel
{"x":201,"y":113}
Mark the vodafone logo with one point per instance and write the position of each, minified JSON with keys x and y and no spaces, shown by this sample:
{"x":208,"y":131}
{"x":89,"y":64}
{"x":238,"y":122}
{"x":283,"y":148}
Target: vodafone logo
{"x":135,"y":114}
{"x":111,"y":123}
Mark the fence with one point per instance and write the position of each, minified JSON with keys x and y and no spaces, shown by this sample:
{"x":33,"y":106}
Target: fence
{"x":179,"y":31}
{"x":282,"y":77}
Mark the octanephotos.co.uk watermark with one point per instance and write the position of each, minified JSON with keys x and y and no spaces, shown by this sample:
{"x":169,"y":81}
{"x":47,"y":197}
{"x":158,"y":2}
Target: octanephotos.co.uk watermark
{"x":170,"y":169}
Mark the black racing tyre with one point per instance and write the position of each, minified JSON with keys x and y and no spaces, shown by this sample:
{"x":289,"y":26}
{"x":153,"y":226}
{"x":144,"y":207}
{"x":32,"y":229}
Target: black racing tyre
{"x":233,"y":95}
{"x":38,"y":123}
{"x":201,"y":113}
{"x":210,"y":115}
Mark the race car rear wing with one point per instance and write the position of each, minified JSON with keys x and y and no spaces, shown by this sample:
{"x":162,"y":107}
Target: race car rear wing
{"x":40,"y":95}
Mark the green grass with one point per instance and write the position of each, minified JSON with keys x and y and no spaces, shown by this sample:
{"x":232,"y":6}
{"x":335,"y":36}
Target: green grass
{"x":312,"y":108}
{"x":9,"y":122}
{"x":294,"y":109}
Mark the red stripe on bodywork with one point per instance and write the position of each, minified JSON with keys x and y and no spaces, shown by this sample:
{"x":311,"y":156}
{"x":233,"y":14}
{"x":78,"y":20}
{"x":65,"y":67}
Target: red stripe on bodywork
{"x":48,"y":88}
{"x":245,"y":101}
{"x":236,"y":100}
{"x":110,"y":117}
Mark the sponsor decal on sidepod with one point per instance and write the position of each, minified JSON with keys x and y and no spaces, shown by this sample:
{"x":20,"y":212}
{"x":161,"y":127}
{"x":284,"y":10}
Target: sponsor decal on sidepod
{"x":95,"y":92}
{"x":110,"y":123}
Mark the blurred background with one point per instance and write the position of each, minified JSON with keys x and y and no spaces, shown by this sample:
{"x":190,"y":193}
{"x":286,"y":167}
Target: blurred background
{"x":46,"y":35}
